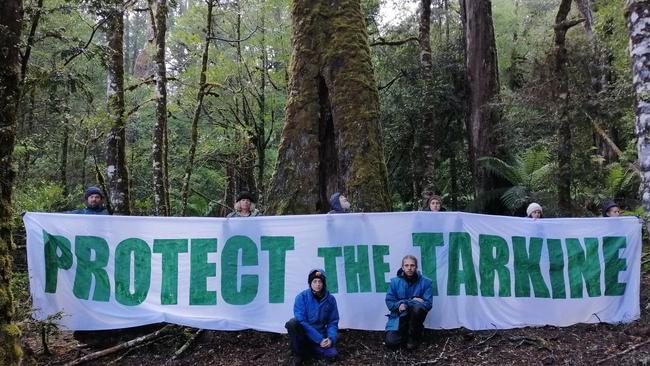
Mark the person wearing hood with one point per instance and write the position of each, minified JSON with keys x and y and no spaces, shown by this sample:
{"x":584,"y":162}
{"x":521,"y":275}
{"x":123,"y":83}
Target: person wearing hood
{"x":409,"y":299}
{"x":244,"y":206}
{"x":94,"y":200}
{"x":434,"y":204}
{"x":314,"y":327}
{"x":339,"y":203}
{"x":534,"y":211}
{"x":611,"y":209}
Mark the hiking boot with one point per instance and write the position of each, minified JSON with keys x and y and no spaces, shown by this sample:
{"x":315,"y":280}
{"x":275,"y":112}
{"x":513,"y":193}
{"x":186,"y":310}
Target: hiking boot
{"x":412,"y":344}
{"x":297,"y":360}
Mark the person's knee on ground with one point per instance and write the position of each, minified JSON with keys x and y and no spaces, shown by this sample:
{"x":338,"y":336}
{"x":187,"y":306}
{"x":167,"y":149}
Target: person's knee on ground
{"x":296,"y":337}
{"x":393,"y":339}
{"x":417,"y":315}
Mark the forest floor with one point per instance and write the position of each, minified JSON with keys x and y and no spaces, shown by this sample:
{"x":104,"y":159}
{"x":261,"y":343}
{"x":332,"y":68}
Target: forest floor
{"x":582,"y":344}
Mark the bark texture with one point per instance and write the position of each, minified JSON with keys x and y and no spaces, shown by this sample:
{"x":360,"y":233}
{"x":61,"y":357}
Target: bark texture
{"x":638,"y":21}
{"x":117,"y":173}
{"x":331,"y":140}
{"x":422,"y":155}
{"x":189,"y":166}
{"x":482,"y":88}
{"x":11,"y":15}
{"x":159,"y":156}
{"x":562,"y":25}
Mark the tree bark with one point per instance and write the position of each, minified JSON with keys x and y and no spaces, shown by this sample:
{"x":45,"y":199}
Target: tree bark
{"x":482,"y":88}
{"x":159,"y":160}
{"x":11,"y":15}
{"x":332,"y":139}
{"x":561,"y":91}
{"x":117,"y":173}
{"x":189,"y":166}
{"x":422,"y":155}
{"x":638,"y":15}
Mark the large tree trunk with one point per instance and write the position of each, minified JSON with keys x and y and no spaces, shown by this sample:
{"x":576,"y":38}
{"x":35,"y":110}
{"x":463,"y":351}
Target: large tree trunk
{"x":332,"y":138}
{"x":422,"y":154}
{"x":159,"y":160}
{"x":638,"y":15}
{"x":11,"y":14}
{"x":482,"y":87}
{"x":562,"y":25}
{"x":189,"y":166}
{"x":117,"y":173}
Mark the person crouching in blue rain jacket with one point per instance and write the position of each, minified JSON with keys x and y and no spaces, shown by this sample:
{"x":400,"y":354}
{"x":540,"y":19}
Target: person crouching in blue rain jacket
{"x":409,"y":300}
{"x":313,"y":330}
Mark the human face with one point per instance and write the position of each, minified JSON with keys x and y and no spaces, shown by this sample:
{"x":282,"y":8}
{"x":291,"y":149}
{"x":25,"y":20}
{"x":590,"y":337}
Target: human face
{"x":537,"y":214}
{"x":409,"y":267}
{"x":316,"y":285}
{"x":94,"y":200}
{"x":614,"y":212}
{"x":435,"y":205}
{"x":245,"y":204}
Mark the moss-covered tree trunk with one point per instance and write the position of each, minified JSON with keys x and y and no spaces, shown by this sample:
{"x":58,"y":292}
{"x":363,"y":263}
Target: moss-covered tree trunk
{"x":638,"y":17}
{"x":332,"y":139}
{"x":117,"y":174}
{"x":483,"y":88}
{"x":422,"y":155}
{"x":11,"y":15}
{"x":159,"y":156}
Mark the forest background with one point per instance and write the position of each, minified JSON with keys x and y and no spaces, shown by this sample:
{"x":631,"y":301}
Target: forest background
{"x":173,"y":107}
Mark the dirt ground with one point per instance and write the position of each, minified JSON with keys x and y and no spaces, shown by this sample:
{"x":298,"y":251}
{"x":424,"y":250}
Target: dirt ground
{"x":583,"y":344}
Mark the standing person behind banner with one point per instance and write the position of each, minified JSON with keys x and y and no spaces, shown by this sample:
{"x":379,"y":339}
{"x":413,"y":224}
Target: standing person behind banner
{"x":434,"y":204}
{"x":244,"y":206}
{"x":339,"y":203}
{"x":313,"y":329}
{"x":409,"y":299}
{"x":611,"y":209}
{"x":94,"y":200}
{"x":534,"y":211}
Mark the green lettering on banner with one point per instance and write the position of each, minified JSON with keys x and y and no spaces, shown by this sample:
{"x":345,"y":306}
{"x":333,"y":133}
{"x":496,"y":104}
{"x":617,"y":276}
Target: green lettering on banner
{"x":581,"y":266}
{"x":329,"y":256}
{"x":527,"y":267}
{"x":53,"y":261}
{"x":357,"y":269}
{"x":460,"y":250}
{"x":380,"y":267}
{"x":141,"y":253}
{"x":494,"y":256}
{"x":556,"y":268}
{"x":88,"y":268}
{"x":614,"y":264}
{"x":428,"y":243}
{"x":229,"y":266}
{"x":200,"y":270}
{"x":277,"y":246}
{"x":169,"y":249}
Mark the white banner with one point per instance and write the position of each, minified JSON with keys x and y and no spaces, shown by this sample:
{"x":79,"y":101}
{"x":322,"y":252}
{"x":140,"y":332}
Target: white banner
{"x":106,"y":272}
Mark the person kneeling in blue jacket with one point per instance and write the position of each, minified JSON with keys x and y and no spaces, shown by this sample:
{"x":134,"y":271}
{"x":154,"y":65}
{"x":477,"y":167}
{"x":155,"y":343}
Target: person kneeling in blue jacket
{"x":313,"y":330}
{"x":409,"y":300}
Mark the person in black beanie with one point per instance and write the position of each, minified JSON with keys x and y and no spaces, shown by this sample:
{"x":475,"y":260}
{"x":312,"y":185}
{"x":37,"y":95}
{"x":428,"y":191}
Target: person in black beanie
{"x":93,"y":198}
{"x":244,"y":206}
{"x":314,"y":327}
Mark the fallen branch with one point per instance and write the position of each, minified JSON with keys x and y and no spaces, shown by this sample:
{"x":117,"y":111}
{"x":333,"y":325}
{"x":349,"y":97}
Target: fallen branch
{"x":122,"y":346}
{"x":622,"y":352}
{"x":435,"y":360}
{"x":187,"y":344}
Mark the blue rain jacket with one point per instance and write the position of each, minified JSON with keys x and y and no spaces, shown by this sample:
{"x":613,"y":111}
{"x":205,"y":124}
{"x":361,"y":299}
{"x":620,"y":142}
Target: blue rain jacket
{"x":403,"y":292}
{"x":319,"y":318}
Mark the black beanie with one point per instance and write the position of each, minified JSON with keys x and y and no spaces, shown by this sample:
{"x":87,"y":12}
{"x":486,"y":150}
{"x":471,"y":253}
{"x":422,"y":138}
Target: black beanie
{"x":317,"y":273}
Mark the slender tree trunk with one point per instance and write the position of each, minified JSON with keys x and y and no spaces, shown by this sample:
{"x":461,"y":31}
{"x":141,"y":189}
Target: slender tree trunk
{"x":261,"y":140}
{"x":63,"y":167}
{"x":332,"y":139}
{"x":117,"y":173}
{"x":189,"y":166}
{"x":423,"y":144}
{"x":483,"y":88}
{"x":562,"y":25}
{"x":161,"y":200}
{"x":638,"y":15}
{"x":11,"y":15}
